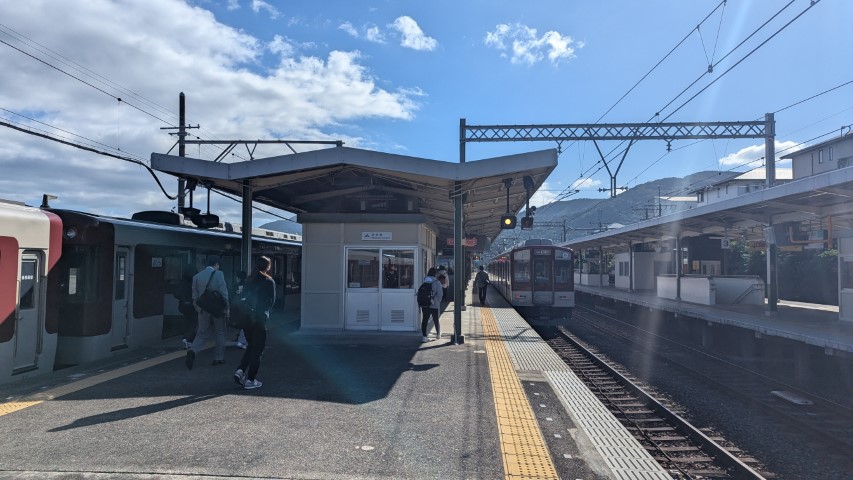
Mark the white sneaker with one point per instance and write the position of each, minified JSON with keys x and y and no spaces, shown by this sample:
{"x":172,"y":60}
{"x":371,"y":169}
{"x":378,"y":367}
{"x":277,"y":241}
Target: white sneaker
{"x":240,"y":377}
{"x":437,"y":335}
{"x":250,"y":384}
{"x":241,"y":345}
{"x":424,"y":339}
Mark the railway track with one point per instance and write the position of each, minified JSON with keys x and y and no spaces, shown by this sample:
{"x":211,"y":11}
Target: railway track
{"x":825,"y":420}
{"x":685,"y":451}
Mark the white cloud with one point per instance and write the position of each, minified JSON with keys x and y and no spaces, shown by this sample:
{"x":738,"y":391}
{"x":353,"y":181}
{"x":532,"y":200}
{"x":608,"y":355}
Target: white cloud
{"x":347,"y":27}
{"x":752,"y":156}
{"x":281,"y":46}
{"x":233,"y":5}
{"x":369,"y":32}
{"x":543,"y":196}
{"x":412,"y":35}
{"x":154,"y":50}
{"x":585,"y":184}
{"x":528,"y":47}
{"x":258,"y":5}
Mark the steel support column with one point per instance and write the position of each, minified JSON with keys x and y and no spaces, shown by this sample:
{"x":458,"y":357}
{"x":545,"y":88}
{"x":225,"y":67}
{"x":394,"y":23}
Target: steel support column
{"x":460,"y":279}
{"x":246,"y":245}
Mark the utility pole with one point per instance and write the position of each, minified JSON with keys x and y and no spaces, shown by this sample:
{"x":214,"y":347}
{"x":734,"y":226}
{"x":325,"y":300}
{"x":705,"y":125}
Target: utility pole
{"x":182,"y":148}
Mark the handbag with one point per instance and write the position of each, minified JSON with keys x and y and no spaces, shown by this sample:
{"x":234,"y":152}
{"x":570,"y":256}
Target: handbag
{"x":212,"y":301}
{"x":242,"y":313}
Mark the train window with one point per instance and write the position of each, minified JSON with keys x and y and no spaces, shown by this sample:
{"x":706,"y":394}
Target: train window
{"x":521,"y":267}
{"x":29,"y":270}
{"x":542,"y":272}
{"x":563,"y":272}
{"x":362,"y":268}
{"x":121,"y":275}
{"x":398,"y":268}
{"x":79,"y":273}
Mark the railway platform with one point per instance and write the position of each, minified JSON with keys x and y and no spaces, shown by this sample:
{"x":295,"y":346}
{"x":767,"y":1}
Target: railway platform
{"x":334,"y":406}
{"x":809,"y":324}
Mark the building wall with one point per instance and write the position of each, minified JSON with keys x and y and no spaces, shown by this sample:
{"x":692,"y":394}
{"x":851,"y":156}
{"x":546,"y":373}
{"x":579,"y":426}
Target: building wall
{"x":824,"y":159}
{"x":325,"y":239}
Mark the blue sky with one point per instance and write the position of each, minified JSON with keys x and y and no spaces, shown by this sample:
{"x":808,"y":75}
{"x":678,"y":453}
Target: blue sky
{"x":396,"y":76}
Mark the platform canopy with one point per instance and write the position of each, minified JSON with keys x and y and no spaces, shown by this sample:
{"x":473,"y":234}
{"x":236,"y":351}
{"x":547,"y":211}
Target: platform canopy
{"x":823,"y":200}
{"x":351,"y":180}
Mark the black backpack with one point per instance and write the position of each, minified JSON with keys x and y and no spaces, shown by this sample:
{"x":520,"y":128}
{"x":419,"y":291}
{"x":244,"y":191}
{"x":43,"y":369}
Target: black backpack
{"x":425,"y":294}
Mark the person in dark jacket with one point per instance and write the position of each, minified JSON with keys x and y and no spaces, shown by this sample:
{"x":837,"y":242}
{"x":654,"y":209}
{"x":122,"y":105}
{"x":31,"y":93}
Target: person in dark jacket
{"x":261,"y":287}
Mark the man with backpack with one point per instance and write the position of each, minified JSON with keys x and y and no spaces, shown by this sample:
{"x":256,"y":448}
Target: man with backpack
{"x":429,"y":299}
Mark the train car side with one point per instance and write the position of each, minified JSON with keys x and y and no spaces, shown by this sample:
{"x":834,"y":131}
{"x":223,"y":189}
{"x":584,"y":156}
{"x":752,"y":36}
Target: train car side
{"x":30,"y":246}
{"x":115,"y":287}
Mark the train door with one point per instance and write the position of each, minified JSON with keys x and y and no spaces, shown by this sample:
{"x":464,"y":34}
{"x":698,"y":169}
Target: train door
{"x":29,"y":316}
{"x":121,"y":313}
{"x":543,"y":276}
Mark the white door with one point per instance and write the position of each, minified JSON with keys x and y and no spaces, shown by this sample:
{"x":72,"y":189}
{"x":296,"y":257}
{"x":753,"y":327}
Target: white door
{"x":362,"y":289}
{"x":121,"y":287}
{"x":397,"y":302}
{"x":28,"y":321}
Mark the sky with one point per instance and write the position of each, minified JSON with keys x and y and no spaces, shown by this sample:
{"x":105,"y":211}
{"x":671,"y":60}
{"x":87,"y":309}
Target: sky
{"x":397,"y":77}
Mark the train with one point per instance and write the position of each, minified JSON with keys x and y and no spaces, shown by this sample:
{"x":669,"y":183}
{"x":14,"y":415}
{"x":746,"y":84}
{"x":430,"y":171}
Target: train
{"x":77,"y":286}
{"x":537,"y":279}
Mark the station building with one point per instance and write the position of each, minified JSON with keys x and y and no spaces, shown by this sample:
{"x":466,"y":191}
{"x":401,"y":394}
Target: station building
{"x":373,"y":223}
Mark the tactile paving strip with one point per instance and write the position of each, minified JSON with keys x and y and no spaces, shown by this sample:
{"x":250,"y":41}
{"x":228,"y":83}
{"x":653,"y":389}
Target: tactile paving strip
{"x":623,"y":454}
{"x":524,"y":452}
{"x":10,"y":407}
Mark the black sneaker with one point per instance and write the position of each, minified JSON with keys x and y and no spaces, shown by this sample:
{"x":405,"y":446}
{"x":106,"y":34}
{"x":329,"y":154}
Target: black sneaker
{"x":190,"y":359}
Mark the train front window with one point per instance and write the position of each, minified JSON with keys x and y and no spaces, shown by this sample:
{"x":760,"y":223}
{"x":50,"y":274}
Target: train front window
{"x":562,"y":272}
{"x":521,"y":267}
{"x":542,"y":272}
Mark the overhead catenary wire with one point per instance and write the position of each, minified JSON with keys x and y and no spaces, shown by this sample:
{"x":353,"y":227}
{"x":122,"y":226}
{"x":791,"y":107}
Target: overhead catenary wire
{"x":93,"y":150}
{"x":657,"y":114}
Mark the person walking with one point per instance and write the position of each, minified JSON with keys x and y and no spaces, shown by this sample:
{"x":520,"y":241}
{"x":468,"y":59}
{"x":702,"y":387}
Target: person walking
{"x":431,"y":311}
{"x":481,"y":281}
{"x":441,"y":276}
{"x":261,"y":288}
{"x":184,"y":295}
{"x":211,"y":278}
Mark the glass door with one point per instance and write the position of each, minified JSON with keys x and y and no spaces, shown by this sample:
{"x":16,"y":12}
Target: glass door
{"x":121,"y":317}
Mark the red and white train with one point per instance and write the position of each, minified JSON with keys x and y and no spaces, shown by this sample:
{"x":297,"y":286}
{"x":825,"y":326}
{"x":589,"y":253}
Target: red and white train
{"x":30,"y":247}
{"x":113,"y":286}
{"x":537,"y":279}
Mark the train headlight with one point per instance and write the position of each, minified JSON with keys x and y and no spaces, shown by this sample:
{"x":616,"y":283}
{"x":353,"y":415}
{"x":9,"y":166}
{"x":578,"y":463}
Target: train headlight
{"x":70,"y":233}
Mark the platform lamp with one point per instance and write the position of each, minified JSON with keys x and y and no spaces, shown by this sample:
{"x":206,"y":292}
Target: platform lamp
{"x":507,"y":220}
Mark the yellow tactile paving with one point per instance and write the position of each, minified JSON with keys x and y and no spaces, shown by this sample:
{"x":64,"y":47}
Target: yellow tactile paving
{"x":522,"y":446}
{"x":75,"y":386}
{"x":10,"y":407}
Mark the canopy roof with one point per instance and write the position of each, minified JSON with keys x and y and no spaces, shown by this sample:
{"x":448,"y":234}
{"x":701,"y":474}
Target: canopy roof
{"x":825,"y":198}
{"x":351,"y":180}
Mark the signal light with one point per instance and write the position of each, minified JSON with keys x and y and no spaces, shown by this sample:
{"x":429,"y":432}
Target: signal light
{"x":508,"y":222}
{"x":527,"y":223}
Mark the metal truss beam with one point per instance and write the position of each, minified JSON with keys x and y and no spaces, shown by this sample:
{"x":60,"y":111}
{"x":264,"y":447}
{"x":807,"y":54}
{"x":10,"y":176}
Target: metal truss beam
{"x":615,"y":131}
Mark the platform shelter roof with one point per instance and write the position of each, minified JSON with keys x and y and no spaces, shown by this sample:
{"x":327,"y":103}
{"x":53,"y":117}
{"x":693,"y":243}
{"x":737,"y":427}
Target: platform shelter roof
{"x":825,"y":199}
{"x":352,"y":180}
